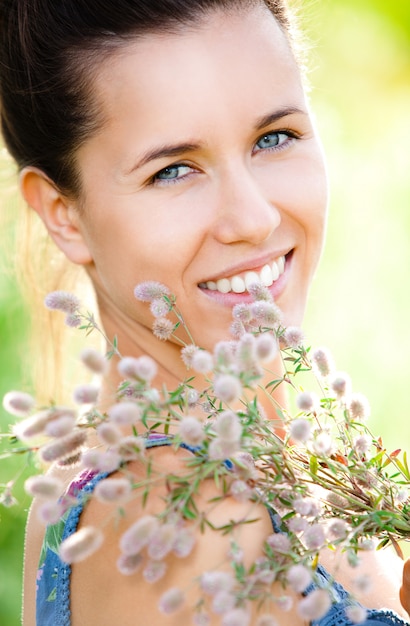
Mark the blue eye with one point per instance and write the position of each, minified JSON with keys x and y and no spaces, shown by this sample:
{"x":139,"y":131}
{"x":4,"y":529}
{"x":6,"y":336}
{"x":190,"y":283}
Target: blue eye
{"x":172,"y":173}
{"x":272,"y":140}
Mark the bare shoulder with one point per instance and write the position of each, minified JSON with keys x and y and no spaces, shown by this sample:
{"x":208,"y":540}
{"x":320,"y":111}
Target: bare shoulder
{"x":100,"y":594}
{"x":383,"y":569}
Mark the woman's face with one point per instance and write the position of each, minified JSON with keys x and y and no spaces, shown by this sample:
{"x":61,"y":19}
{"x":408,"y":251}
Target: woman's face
{"x":208,"y":168}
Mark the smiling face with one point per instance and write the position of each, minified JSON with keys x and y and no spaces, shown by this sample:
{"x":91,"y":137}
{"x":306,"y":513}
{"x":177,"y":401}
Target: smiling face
{"x":206,"y":174}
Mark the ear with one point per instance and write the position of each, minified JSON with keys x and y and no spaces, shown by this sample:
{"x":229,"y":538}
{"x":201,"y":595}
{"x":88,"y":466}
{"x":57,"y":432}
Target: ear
{"x":58,"y":213}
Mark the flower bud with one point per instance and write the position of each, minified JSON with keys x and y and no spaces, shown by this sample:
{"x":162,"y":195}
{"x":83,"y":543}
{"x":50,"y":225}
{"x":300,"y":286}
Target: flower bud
{"x":227,"y":388}
{"x":81,"y":544}
{"x":126,"y":412}
{"x":154,"y":571}
{"x":64,"y":447}
{"x":113,"y":490}
{"x":86,"y":394}
{"x":150,"y":290}
{"x":44,"y":487}
{"x":315,"y":605}
{"x":191,"y":431}
{"x":171,"y":601}
{"x":137,"y":536}
{"x":18,"y":403}
{"x":62,"y":301}
{"x":128,"y":564}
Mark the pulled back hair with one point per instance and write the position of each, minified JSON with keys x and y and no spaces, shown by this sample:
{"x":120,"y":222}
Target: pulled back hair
{"x":49,"y":50}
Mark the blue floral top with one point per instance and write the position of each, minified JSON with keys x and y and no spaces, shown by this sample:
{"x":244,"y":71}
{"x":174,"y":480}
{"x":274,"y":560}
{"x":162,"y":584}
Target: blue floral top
{"x":53,"y":577}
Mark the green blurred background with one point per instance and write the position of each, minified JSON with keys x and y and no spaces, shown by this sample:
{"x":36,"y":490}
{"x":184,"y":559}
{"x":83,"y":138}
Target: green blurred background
{"x":360,"y":304}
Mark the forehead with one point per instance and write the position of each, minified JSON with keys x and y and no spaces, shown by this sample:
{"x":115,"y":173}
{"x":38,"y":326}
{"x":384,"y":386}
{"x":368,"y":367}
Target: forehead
{"x":196,"y":78}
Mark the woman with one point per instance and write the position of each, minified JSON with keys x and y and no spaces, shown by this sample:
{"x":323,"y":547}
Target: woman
{"x":172,"y":142}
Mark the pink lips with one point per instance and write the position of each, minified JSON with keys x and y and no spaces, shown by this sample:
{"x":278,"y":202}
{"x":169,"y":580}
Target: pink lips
{"x":230,"y":299}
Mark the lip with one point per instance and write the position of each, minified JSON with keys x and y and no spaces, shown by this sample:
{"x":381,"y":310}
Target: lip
{"x":251,"y":266}
{"x":276,"y":289}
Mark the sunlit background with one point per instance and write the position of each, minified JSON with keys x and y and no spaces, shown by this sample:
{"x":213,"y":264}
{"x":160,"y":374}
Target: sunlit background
{"x":360,"y":304}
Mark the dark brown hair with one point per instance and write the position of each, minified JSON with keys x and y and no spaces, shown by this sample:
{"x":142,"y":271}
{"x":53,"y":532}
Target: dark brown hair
{"x":49,"y":50}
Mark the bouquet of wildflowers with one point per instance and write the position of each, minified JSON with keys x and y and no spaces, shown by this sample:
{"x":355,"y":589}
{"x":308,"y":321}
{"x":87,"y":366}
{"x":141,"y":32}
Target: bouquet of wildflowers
{"x":327,"y":482}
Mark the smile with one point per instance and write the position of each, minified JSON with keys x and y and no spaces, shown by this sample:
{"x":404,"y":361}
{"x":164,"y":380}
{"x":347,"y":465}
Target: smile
{"x":241,"y":282}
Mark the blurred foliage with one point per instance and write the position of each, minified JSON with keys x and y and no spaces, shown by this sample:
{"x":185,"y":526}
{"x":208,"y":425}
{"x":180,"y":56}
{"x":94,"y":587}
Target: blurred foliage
{"x":360,"y":302}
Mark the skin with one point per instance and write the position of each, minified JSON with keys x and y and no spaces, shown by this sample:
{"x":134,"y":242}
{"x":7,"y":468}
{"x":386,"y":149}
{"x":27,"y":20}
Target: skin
{"x":235,"y":205}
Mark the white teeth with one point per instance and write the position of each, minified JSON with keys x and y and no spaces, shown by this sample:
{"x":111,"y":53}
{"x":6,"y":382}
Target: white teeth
{"x":266,"y":276}
{"x":275,"y":271}
{"x":223,"y":285}
{"x":240,"y":284}
{"x":251,"y":278}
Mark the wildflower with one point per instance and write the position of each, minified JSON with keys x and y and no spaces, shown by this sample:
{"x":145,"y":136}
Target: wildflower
{"x":299,"y":577}
{"x":126,"y":412}
{"x":341,"y":384}
{"x":171,"y":601}
{"x":297,"y":524}
{"x":163,"y":328}
{"x":307,"y":507}
{"x":245,"y":356}
{"x":191,"y":431}
{"x":356,"y":613}
{"x":131,"y":448}
{"x":266,"y":347}
{"x":202,"y":362}
{"x":279,"y":542}
{"x":293,"y":337}
{"x":31,"y":426}
{"x":86,"y":394}
{"x":187,"y":354}
{"x":18,"y":403}
{"x":150,"y":290}
{"x":224,"y":354}
{"x":359,"y":407}
{"x":63,"y":447}
{"x":137,"y":536}
{"x":300,"y":429}
{"x":336,"y":500}
{"x":307,"y":401}
{"x":184,"y":543}
{"x":241,"y":491}
{"x":45,"y":487}
{"x":94,"y":360}
{"x":154,"y":571}
{"x":266,"y":620}
{"x":220,"y":449}
{"x":213,"y":581}
{"x":109,"y":433}
{"x":228,"y":426}
{"x":338,"y":528}
{"x":7,"y":499}
{"x":60,"y":426}
{"x":62,"y":301}
{"x":237,"y":329}
{"x":266,"y":313}
{"x":362,"y":444}
{"x":401,"y":496}
{"x":113,"y":490}
{"x":259,"y":292}
{"x":244,"y":465}
{"x":101,"y":461}
{"x":162,"y":541}
{"x":223,"y":601}
{"x":323,"y":444}
{"x":191,"y":397}
{"x":142,"y":368}
{"x":50,"y":512}
{"x":315,"y":605}
{"x":322,"y":361}
{"x":73,"y":320}
{"x":314,"y":537}
{"x":81,"y":544}
{"x":242,"y":313}
{"x":159,"y":308}
{"x":236,"y":617}
{"x":227,"y":388}
{"x":128,"y":564}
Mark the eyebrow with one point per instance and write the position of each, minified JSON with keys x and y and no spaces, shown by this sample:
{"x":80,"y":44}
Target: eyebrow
{"x":171,"y":150}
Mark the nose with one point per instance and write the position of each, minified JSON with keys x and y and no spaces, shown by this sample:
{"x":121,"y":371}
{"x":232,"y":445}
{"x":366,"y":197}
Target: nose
{"x":245,"y":212}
